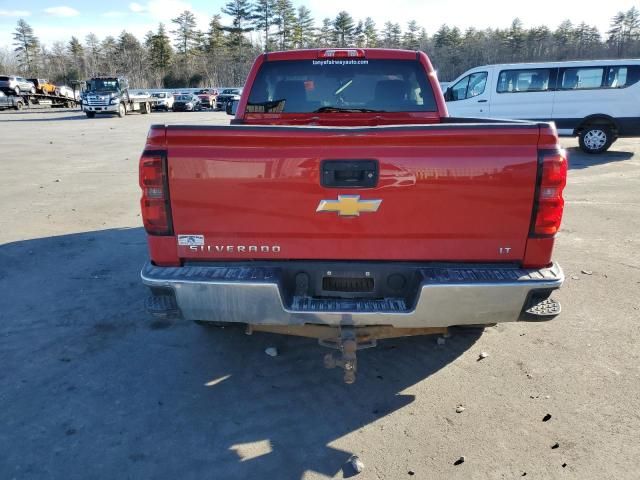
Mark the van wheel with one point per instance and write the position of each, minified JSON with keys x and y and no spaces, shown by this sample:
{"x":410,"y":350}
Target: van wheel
{"x":595,"y":138}
{"x":122,"y":111}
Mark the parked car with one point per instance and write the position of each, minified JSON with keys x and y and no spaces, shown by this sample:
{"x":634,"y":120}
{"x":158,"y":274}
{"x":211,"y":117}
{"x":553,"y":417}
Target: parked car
{"x":14,"y":85}
{"x":68,"y":92}
{"x":162,"y":100}
{"x":597,"y":101}
{"x":227,"y":95}
{"x":207,"y":97}
{"x":188,"y":103}
{"x":43,"y":86}
{"x":343,"y":203}
{"x":12,"y":101}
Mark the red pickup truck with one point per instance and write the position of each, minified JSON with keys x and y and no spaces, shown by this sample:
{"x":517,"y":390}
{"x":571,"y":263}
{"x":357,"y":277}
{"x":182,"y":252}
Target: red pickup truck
{"x":207,"y":97}
{"x":343,"y":203}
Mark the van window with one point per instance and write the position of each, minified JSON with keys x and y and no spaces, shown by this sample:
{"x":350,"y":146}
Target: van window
{"x":622,"y":76}
{"x":582,"y":78}
{"x":616,"y":77}
{"x":532,"y":80}
{"x":470,"y":86}
{"x":477,"y":82}
{"x":459,"y":90}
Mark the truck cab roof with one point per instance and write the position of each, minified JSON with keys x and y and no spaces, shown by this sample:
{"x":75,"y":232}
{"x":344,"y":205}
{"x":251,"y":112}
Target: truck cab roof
{"x":342,"y":53}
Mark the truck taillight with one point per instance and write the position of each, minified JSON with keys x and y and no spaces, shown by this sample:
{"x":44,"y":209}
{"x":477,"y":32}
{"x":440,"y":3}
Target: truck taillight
{"x":154,"y":203}
{"x":341,"y":53}
{"x":549,"y":201}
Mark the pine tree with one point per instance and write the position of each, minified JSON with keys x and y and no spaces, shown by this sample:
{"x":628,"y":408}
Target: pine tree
{"x":387,"y":35}
{"x":564,"y":32}
{"x":370,"y":33}
{"x":303,"y":29}
{"x":391,"y":35}
{"x":441,"y":37}
{"x":185,"y":33}
{"x":130,"y":56}
{"x":216,"y":55}
{"x":359,"y":38}
{"x":396,"y":35}
{"x":215,"y":34}
{"x":539,"y":40}
{"x":285,"y":17}
{"x":410,"y":37}
{"x":241,"y":17}
{"x":160,"y":51}
{"x":343,"y":27}
{"x":515,"y":38}
{"x":632,"y":26}
{"x":27,"y":47}
{"x":325,"y":34}
{"x":423,"y":40}
{"x":76,"y":51}
{"x":263,"y":18}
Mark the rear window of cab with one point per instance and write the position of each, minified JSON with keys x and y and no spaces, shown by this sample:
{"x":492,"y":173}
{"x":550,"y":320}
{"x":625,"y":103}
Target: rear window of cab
{"x":316,"y":86}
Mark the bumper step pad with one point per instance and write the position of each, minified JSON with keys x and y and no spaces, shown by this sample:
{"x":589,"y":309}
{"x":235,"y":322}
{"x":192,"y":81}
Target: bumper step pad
{"x":162,"y":306}
{"x":542,"y":309}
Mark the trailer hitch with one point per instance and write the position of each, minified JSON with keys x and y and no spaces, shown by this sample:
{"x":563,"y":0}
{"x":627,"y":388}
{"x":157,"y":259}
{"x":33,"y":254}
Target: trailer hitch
{"x":347,"y":343}
{"x":346,"y":339}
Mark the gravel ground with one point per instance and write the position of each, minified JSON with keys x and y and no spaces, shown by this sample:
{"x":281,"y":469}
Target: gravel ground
{"x":93,"y":388}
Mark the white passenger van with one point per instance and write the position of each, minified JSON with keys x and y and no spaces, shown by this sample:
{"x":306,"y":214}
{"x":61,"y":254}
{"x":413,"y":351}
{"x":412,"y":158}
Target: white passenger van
{"x":598,"y":101}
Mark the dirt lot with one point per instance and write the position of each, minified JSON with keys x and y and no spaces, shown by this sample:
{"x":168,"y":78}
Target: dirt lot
{"x":92,"y":388}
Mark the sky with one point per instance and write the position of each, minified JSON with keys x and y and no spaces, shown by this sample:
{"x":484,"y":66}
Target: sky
{"x":58,"y":20}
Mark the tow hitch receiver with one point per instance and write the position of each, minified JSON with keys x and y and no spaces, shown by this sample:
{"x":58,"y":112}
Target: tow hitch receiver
{"x":347,"y":344}
{"x":346,"y":339}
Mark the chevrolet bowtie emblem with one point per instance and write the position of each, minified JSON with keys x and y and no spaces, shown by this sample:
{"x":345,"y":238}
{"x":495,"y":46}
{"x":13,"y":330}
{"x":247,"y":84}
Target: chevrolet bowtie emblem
{"x":348,"y":205}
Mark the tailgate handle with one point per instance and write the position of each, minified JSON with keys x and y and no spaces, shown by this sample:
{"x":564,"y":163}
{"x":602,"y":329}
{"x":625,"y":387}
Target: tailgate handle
{"x":349,"y":173}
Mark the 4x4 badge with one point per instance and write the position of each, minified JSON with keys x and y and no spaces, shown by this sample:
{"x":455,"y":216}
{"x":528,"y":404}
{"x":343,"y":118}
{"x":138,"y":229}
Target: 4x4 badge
{"x":348,"y":205}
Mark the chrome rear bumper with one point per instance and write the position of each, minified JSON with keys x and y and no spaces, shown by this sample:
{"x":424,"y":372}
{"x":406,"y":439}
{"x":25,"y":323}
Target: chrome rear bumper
{"x":448,"y":294}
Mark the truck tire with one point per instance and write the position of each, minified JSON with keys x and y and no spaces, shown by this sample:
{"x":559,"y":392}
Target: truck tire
{"x":595,"y":138}
{"x":144,"y":108}
{"x":90,"y":114}
{"x":19,"y":105}
{"x":122,"y":110}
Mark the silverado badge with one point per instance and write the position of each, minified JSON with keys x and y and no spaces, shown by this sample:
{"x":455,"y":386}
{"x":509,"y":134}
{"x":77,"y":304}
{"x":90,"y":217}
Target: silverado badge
{"x":348,"y":205}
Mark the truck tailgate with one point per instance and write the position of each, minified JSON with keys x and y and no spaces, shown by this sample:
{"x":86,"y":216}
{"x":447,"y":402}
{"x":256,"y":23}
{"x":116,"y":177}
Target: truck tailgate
{"x":460,"y":192}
